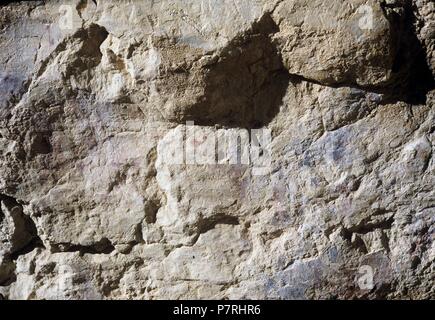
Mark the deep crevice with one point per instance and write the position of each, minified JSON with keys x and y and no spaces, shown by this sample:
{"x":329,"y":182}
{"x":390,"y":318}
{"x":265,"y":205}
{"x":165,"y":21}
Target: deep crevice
{"x":104,"y":246}
{"x":27,"y":226}
{"x":370,"y":226}
{"x":208,"y":224}
{"x":412,"y":76}
{"x":36,"y":242}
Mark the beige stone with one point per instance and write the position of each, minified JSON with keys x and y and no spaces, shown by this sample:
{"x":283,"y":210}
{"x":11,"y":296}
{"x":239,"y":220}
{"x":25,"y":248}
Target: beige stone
{"x":243,"y":149}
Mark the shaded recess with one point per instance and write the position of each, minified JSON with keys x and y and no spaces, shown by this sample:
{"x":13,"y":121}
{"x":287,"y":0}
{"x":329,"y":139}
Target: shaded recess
{"x":25,"y":237}
{"x":246,"y":86}
{"x":18,"y":236}
{"x":413,"y":78}
{"x":89,"y":55}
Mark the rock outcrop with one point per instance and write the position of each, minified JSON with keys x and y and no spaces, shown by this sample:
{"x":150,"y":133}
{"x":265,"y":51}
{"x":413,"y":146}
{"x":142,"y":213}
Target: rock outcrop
{"x":259,"y":149}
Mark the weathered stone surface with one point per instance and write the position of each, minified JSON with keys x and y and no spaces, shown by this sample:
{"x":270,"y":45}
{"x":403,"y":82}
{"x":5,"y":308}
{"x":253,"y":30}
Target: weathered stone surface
{"x":426,"y":28}
{"x":217,"y":149}
{"x":345,"y":42}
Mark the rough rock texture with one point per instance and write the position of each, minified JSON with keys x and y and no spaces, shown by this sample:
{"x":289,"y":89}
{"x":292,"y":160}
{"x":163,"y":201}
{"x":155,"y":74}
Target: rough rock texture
{"x":95,"y":96}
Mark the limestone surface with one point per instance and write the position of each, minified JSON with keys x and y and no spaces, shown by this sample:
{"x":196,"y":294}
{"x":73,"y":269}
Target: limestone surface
{"x":225,"y":149}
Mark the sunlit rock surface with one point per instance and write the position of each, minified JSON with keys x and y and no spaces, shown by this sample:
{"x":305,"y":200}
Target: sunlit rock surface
{"x":258,"y":149}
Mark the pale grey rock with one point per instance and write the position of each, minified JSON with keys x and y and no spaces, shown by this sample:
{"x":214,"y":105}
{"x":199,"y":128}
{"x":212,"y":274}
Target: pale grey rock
{"x":103,"y":197}
{"x":339,"y":42}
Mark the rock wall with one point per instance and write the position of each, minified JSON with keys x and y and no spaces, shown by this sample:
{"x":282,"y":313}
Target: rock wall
{"x":178,"y":149}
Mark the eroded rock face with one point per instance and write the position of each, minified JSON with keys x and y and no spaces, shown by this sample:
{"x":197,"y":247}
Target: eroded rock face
{"x":217,"y":149}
